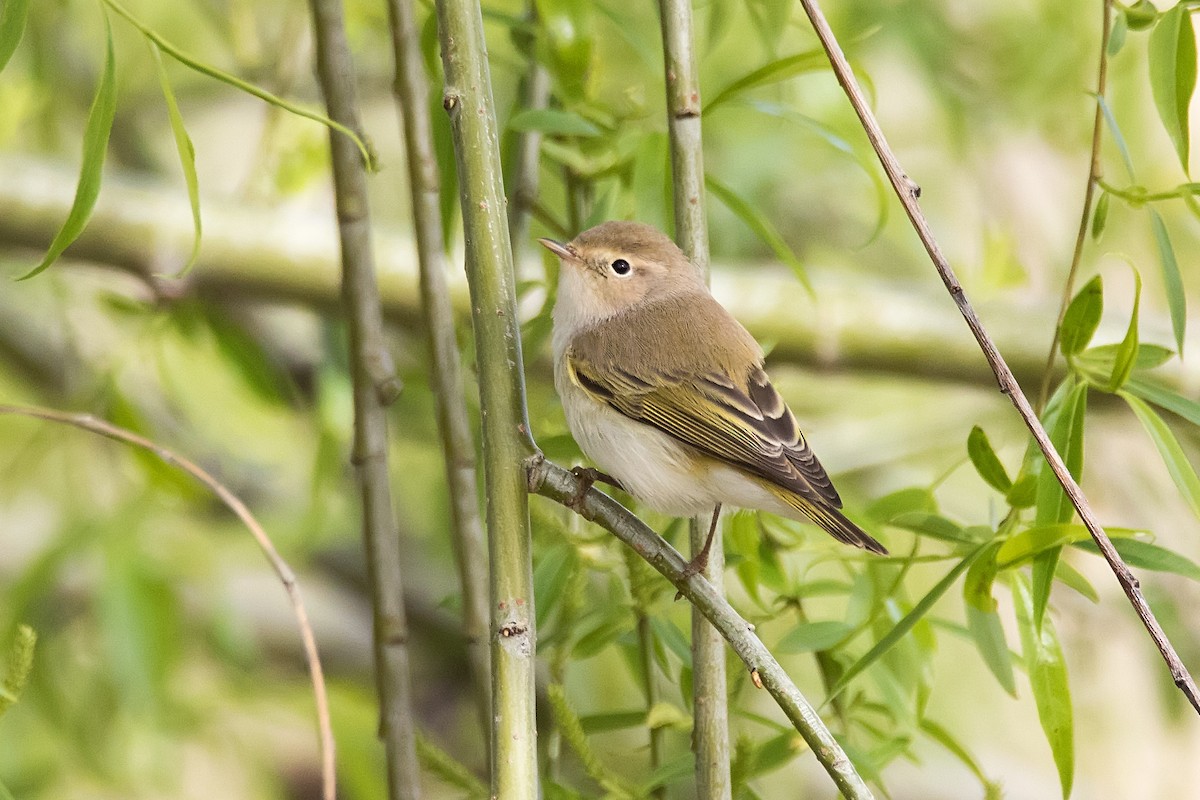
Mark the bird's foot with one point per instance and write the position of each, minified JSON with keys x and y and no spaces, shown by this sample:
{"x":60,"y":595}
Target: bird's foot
{"x":587,"y":477}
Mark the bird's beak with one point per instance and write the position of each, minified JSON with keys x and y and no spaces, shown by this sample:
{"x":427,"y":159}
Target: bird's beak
{"x":563,"y":251}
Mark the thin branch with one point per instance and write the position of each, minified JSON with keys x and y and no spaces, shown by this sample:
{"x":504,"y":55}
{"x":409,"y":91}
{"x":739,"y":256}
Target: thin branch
{"x":411,"y":89}
{"x":554,"y":482}
{"x":710,"y":736}
{"x":375,"y":386}
{"x":467,"y":98}
{"x":1095,"y":173}
{"x":287,"y":577}
{"x":908,"y":192}
{"x":527,"y":145}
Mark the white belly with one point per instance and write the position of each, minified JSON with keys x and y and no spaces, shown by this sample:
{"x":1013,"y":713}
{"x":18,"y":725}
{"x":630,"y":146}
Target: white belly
{"x":655,"y":468}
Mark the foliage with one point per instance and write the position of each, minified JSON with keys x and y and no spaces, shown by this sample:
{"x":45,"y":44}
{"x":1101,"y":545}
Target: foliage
{"x":148,"y":639}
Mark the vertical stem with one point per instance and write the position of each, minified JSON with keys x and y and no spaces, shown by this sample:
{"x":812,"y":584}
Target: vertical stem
{"x":535,"y":93}
{"x":375,"y":385}
{"x":411,"y":89}
{"x":658,"y":734}
{"x":506,"y":441}
{"x":710,"y":699}
{"x":1095,"y":172}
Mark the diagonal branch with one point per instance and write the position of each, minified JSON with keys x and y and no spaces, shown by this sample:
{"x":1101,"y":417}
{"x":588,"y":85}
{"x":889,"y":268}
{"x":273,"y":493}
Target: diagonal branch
{"x":552,"y":481}
{"x":287,"y":577}
{"x":908,"y":192}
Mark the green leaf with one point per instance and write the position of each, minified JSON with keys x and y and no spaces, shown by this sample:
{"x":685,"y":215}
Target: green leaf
{"x":237,"y":83}
{"x":1100,"y":216}
{"x":983,"y":622}
{"x":1118,"y":137}
{"x":761,"y":226}
{"x":943,"y":737}
{"x":1048,"y":680}
{"x":553,"y":122}
{"x":1146,"y":555}
{"x":1127,"y":351}
{"x":95,"y":147}
{"x":1172,"y":51}
{"x":1164,"y":398}
{"x":1073,"y":578}
{"x":187,"y":155}
{"x":1066,"y":435}
{"x":673,"y":638}
{"x":986,"y":462}
{"x":1116,"y":39}
{"x":906,"y":623}
{"x":773,"y":72}
{"x":12,"y":28}
{"x":1102,"y":358}
{"x":1082,"y":318}
{"x":1035,"y":540}
{"x":808,"y":637}
{"x":1141,"y":15}
{"x":20,"y":662}
{"x":1168,"y":448}
{"x":931,"y":525}
{"x":1023,"y":493}
{"x":1172,"y":282}
{"x":902,"y":501}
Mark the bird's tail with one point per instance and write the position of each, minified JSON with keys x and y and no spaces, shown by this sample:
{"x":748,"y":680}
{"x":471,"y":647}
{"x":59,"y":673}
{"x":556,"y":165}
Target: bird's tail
{"x":832,"y":521}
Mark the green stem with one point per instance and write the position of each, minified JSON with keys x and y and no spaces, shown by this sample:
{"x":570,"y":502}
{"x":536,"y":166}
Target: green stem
{"x":658,"y":734}
{"x":527,"y":145}
{"x":375,"y":385}
{"x":1094,"y":173}
{"x":710,"y":698}
{"x":506,"y":440}
{"x":411,"y":89}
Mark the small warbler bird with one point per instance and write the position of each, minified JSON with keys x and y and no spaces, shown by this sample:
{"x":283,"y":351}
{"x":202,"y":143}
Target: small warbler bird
{"x":665,"y":391}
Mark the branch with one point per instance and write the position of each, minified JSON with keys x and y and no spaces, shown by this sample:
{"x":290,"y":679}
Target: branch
{"x":1095,"y":173}
{"x":710,"y":696}
{"x":527,"y":144}
{"x":908,"y":192}
{"x":375,"y":386}
{"x":552,"y":481}
{"x":467,"y":98}
{"x":286,"y":576}
{"x":458,"y":450}
{"x":256,"y":254}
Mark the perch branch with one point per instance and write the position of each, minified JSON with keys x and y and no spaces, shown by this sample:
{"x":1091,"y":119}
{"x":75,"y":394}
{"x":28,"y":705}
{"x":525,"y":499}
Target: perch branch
{"x":554,"y":482}
{"x":287,"y":577}
{"x":908,"y":192}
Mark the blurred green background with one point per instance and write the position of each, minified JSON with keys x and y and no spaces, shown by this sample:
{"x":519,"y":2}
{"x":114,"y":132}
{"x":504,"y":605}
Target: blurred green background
{"x":168,"y":664}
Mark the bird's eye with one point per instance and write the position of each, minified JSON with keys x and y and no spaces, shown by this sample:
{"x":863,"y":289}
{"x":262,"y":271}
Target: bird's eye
{"x":621,"y":266}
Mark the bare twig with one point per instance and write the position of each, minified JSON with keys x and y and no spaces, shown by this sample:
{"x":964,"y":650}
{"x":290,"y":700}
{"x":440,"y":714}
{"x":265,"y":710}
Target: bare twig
{"x":908,"y":192}
{"x":375,"y":386}
{"x":558,"y":484}
{"x":287,"y":577}
{"x":467,"y":98}
{"x":458,"y":451}
{"x":1095,"y":173}
{"x":710,"y":733}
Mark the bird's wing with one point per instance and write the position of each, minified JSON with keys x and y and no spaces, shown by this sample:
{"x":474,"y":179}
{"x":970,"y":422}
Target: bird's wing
{"x":742,"y":421}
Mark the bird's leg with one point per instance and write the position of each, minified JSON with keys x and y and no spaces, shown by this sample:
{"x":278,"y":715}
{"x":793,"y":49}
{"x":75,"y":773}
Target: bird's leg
{"x":700,"y":561}
{"x":588,"y":476}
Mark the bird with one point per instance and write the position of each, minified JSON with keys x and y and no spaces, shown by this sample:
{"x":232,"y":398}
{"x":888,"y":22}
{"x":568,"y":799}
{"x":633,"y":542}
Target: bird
{"x":666,"y":393}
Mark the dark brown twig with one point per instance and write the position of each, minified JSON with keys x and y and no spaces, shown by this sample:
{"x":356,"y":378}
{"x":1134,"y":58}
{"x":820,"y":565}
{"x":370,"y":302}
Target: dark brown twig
{"x":1095,"y":173}
{"x":908,"y":192}
{"x":287,"y":577}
